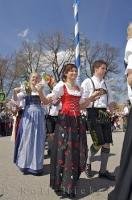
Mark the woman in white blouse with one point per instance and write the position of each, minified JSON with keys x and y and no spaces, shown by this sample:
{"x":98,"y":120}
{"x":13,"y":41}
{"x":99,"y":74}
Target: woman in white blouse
{"x":30,"y":141}
{"x":69,"y":152}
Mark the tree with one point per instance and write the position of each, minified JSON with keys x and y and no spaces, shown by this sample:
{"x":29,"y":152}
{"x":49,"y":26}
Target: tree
{"x":56,"y":51}
{"x":9,"y":74}
{"x":47,"y":53}
{"x":29,"y":58}
{"x":91,"y":53}
{"x":50,"y":52}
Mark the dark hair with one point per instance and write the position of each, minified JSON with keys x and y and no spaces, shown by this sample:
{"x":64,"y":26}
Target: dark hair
{"x":98,"y":64}
{"x":66,"y":68}
{"x":128,"y":102}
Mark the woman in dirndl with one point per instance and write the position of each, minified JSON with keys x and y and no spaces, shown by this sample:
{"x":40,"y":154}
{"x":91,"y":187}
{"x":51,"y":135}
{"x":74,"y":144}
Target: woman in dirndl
{"x":30,"y":141}
{"x":69,"y":152}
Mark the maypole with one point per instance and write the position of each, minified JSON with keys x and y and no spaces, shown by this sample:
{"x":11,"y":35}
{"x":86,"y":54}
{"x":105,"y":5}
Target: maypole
{"x":77,"y":39}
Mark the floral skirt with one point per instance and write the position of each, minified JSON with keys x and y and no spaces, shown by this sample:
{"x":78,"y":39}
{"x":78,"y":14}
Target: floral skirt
{"x":69,"y":153}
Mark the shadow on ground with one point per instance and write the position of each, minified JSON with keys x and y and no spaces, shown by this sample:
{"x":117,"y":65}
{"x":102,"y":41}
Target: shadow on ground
{"x":98,"y":157}
{"x":89,"y":186}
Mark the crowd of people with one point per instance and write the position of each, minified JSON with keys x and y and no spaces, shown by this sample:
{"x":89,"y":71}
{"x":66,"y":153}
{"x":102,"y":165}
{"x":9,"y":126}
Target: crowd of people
{"x":65,"y":128}
{"x":6,"y":122}
{"x":31,"y":125}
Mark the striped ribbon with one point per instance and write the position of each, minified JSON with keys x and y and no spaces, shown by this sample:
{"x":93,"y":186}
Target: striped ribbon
{"x":77,"y":39}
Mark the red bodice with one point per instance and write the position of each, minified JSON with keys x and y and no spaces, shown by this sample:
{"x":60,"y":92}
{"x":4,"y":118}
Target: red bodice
{"x":70,"y":104}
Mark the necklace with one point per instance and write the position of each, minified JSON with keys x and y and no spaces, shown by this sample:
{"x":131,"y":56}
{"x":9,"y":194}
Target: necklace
{"x":70,"y":85}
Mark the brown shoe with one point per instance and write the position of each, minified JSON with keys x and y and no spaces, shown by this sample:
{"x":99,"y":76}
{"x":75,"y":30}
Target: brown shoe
{"x":88,"y":171}
{"x":107,"y":175}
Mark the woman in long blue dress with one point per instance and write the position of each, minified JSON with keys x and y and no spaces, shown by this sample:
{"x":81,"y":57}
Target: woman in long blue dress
{"x":30,"y":141}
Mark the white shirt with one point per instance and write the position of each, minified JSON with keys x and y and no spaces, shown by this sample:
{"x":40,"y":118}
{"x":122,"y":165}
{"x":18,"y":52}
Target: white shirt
{"x":88,"y":89}
{"x":128,"y":60}
{"x":128,"y":54}
{"x":53,"y":110}
{"x":125,"y":110}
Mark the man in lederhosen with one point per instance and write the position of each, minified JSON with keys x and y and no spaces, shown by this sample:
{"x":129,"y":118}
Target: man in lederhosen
{"x":99,"y":119}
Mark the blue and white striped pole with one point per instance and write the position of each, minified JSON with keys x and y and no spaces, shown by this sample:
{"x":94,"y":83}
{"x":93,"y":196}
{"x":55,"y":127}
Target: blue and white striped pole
{"x":77,"y":39}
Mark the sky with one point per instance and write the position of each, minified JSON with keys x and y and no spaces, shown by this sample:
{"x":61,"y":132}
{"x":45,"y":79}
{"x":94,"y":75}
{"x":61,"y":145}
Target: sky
{"x":99,"y":20}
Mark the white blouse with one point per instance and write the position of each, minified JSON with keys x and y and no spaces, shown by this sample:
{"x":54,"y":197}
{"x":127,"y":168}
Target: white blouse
{"x":58,"y":90}
{"x":128,"y":60}
{"x":21,"y":97}
{"x":128,"y":54}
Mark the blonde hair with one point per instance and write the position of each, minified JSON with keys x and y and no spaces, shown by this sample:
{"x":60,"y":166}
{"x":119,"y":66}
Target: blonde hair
{"x":34,"y":73}
{"x":129,"y":30}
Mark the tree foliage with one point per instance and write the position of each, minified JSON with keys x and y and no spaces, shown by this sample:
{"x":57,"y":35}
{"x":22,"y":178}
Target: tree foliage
{"x":57,"y":51}
{"x":9,"y":74}
{"x":49,"y":53}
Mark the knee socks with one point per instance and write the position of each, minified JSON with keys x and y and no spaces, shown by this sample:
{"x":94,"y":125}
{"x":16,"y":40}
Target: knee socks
{"x":92,"y":151}
{"x":104,"y":158}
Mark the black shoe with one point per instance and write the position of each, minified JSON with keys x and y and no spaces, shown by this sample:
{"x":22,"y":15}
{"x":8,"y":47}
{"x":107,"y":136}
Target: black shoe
{"x":71,"y":195}
{"x":109,"y":197}
{"x":58,"y":192}
{"x":26,"y":173}
{"x":88,"y":171}
{"x":68,"y":195}
{"x":107,"y":175}
{"x":39,"y":174}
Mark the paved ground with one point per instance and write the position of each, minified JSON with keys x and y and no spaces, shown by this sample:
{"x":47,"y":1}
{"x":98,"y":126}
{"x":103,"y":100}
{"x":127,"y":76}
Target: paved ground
{"x":15,"y":186}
